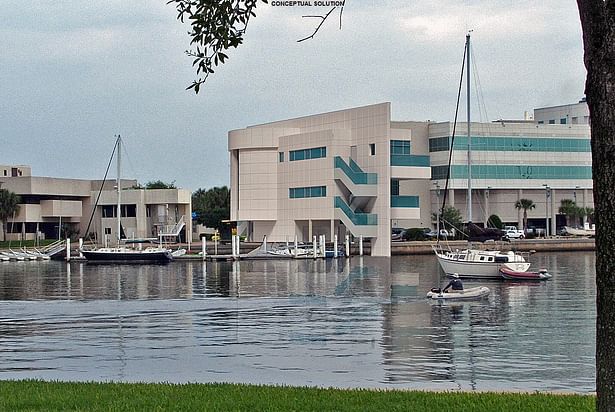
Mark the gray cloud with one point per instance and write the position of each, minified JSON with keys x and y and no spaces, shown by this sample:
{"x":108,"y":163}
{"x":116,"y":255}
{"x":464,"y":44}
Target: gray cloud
{"x":75,"y":74}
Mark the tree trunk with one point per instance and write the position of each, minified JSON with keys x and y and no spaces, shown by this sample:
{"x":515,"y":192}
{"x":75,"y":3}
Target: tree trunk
{"x":598,"y":23}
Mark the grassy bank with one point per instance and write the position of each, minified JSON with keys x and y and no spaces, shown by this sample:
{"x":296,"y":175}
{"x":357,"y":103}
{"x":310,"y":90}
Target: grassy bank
{"x":63,"y":396}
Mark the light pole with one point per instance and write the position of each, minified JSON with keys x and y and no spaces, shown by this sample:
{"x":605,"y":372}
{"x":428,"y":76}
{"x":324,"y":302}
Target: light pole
{"x":438,"y":210}
{"x":547,"y":194}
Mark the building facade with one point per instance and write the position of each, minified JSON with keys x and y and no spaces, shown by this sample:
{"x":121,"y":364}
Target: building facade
{"x":357,"y":172}
{"x":54,"y":208}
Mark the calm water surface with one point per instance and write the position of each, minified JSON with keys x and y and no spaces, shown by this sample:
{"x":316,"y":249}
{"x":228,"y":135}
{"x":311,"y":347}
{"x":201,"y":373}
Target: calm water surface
{"x":362,"y":322}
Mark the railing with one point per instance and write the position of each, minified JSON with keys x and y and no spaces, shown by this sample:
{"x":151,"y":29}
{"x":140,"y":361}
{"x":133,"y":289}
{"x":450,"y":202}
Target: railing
{"x":358,"y":219}
{"x":410,"y":160}
{"x":53,"y":248}
{"x":354,"y":172}
{"x":404,"y":201}
{"x":172,"y":230}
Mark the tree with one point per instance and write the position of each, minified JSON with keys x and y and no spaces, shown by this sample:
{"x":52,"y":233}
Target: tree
{"x":598,"y":24}
{"x":450,"y":218}
{"x":569,"y":208}
{"x":494,"y":221}
{"x":159,"y":184}
{"x":9,"y":206}
{"x":525,"y":204}
{"x":212,"y":207}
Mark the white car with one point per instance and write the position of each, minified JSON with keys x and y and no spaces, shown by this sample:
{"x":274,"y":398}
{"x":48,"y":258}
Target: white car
{"x":511,"y":232}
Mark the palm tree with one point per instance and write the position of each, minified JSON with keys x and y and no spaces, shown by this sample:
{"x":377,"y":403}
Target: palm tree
{"x":569,"y":208}
{"x":525,"y":204}
{"x":9,"y":205}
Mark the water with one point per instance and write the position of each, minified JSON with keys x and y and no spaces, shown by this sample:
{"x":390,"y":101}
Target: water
{"x":360,"y":324}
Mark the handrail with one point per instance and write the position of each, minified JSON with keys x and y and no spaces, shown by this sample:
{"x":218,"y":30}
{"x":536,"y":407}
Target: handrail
{"x":354,"y":172}
{"x":358,"y":219}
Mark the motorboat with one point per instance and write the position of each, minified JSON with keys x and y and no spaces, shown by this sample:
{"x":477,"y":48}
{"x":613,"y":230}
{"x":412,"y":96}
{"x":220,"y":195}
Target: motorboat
{"x":587,"y":230}
{"x":509,"y":274}
{"x":471,"y":293}
{"x":477,"y":263}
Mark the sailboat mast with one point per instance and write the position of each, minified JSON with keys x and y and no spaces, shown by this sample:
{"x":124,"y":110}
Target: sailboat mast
{"x":469,"y":135}
{"x":119,"y":188}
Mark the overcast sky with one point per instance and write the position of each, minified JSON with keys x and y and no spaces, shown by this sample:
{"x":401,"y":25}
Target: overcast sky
{"x":75,"y":73}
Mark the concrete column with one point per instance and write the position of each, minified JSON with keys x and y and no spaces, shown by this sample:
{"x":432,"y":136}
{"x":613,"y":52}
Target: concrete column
{"x":334,"y":245}
{"x":313,"y":244}
{"x":233,"y":246}
{"x":310,"y":229}
{"x":332,"y":229}
{"x":204,"y":247}
{"x":296,"y":246}
{"x":80,"y":247}
{"x":347,"y":245}
{"x":361,"y":245}
{"x":552,"y":213}
{"x":68,"y":250}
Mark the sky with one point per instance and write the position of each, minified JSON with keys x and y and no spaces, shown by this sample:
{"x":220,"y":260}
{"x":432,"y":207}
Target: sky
{"x":73,"y":74}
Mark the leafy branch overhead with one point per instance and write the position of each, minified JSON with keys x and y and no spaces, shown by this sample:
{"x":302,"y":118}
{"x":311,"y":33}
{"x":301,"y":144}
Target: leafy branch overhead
{"x":215,"y":27}
{"x":218,"y":25}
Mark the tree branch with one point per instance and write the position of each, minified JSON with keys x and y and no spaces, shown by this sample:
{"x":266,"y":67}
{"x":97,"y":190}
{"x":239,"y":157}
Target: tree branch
{"x":323,"y":18}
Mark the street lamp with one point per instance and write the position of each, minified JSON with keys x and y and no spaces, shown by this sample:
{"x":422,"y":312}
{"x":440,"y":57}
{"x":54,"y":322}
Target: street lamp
{"x":547,"y":195}
{"x":438,"y":210}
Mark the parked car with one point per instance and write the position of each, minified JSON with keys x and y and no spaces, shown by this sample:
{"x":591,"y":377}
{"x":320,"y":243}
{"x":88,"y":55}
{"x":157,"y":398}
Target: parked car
{"x":511,"y":232}
{"x":397,"y":234}
{"x":433,"y":234}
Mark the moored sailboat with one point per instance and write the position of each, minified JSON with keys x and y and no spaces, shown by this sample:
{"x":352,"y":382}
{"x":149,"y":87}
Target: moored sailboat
{"x":123,"y":253}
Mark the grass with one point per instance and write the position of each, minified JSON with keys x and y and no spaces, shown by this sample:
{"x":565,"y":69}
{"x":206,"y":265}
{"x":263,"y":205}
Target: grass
{"x":33,"y":395}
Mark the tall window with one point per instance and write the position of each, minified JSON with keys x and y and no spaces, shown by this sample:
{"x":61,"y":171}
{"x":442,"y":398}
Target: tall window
{"x":372,"y":149}
{"x":394,"y":187}
{"x":281,"y":156}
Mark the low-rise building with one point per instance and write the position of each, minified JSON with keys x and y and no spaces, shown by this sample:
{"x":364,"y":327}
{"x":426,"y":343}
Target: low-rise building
{"x":54,"y":207}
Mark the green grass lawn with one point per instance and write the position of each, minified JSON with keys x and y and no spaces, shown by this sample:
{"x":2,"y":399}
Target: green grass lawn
{"x":16,"y":244}
{"x":66,"y":396}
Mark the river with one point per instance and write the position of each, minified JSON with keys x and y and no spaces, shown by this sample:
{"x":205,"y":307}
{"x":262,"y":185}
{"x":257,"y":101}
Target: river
{"x":357,"y":323}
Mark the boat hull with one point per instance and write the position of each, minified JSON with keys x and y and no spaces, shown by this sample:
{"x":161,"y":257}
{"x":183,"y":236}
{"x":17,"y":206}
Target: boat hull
{"x":162,"y":256}
{"x":478,"y":270}
{"x":524,"y":276}
{"x":472,"y":293}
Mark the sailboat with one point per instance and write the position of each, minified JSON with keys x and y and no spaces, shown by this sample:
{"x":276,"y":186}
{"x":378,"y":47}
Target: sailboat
{"x":476,"y":263}
{"x":122,"y":253}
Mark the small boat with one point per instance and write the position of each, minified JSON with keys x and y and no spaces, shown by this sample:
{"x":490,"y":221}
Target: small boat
{"x":476,"y":263}
{"x":510,"y":274}
{"x":471,"y":293}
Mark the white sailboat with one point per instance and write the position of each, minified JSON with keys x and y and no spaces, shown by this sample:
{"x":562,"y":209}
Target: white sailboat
{"x":476,"y":263}
{"x":122,"y":253}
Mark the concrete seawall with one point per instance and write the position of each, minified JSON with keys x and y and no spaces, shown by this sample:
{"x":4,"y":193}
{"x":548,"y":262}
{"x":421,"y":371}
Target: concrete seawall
{"x":525,"y":245}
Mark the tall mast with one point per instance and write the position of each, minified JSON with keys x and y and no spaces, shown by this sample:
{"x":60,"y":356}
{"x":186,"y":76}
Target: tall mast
{"x":469,"y":135}
{"x":119,"y":189}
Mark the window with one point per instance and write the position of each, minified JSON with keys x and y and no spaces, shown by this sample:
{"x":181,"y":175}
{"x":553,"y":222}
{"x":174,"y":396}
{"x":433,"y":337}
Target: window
{"x":281,"y":157}
{"x":400,"y":147}
{"x":562,"y":120}
{"x":129,"y":210}
{"x":552,"y":121}
{"x":575,"y":120}
{"x":107,"y":231}
{"x":306,"y":154}
{"x":109,"y":211}
{"x":303,"y":192}
{"x":372,"y":149}
{"x":148,"y":211}
{"x":394,"y":187}
{"x":541,"y":122}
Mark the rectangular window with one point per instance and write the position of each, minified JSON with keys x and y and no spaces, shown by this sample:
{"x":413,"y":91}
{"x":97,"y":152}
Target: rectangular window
{"x":281,"y":157}
{"x":562,"y":120}
{"x":575,"y":120}
{"x":107,"y":231}
{"x":394,"y":187}
{"x":129,"y":210}
{"x":304,"y":192}
{"x":372,"y":149}
{"x":541,"y":122}
{"x":306,"y":154}
{"x":400,"y":147}
{"x":109,"y":211}
{"x":552,"y":121}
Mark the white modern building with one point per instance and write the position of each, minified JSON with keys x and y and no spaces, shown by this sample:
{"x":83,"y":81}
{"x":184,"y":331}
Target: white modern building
{"x":54,"y":207}
{"x":575,"y":113}
{"x":356,"y":171}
